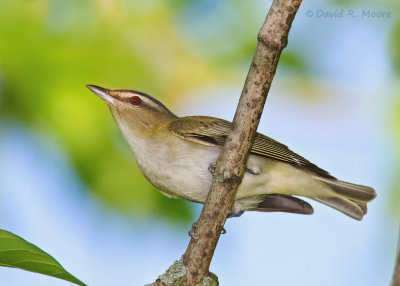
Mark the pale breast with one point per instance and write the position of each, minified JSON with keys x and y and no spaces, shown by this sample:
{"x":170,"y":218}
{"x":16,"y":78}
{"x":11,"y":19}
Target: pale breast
{"x":176,"y":166}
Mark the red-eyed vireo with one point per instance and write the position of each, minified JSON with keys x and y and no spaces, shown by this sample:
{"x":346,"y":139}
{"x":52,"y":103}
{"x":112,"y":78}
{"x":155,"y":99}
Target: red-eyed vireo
{"x":176,"y":153}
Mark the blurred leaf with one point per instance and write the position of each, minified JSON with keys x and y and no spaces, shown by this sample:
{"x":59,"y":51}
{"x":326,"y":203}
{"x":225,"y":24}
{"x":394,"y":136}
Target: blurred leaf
{"x":293,"y":61}
{"x":395,"y":47}
{"x":395,"y":197}
{"x":18,"y":253}
{"x":54,"y":49}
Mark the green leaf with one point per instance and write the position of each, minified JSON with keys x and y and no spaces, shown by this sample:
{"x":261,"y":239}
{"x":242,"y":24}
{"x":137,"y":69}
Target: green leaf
{"x":16,"y":252}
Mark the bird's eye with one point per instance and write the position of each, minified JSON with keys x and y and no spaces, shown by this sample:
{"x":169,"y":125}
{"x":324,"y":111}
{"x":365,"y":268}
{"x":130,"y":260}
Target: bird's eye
{"x":135,"y":100}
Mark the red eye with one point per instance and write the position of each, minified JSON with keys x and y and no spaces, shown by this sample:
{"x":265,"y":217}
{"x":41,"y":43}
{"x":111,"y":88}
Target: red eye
{"x":135,"y":100}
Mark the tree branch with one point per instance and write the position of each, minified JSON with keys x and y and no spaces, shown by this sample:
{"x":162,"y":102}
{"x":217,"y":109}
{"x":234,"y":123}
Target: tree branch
{"x":396,"y":275}
{"x":230,"y":166}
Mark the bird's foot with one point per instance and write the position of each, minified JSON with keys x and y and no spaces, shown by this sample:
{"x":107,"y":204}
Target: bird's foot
{"x":237,"y":210}
{"x":211,"y":168}
{"x":235,"y":213}
{"x":254,"y":170}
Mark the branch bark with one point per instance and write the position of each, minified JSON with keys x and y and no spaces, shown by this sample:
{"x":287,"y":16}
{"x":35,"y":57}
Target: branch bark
{"x":230,"y":166}
{"x":396,"y":275}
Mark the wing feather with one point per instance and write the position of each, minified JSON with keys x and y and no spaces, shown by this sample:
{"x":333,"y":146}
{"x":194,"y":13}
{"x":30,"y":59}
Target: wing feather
{"x":214,"y":131}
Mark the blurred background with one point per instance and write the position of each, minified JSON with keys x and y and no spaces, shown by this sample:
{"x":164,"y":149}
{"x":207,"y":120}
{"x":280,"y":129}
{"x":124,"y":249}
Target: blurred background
{"x":69,"y":184}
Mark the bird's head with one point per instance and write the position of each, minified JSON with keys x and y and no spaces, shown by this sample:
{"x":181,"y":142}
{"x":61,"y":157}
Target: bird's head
{"x":133,"y":109}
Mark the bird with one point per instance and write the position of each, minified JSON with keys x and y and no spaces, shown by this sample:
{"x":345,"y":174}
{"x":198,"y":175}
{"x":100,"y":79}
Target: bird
{"x":176,"y":153}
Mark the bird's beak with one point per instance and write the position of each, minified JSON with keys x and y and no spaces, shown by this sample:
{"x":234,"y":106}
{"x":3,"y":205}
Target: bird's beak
{"x":102,"y":92}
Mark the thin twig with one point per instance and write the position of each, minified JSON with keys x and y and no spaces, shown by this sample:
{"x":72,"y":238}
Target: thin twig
{"x":230,"y":166}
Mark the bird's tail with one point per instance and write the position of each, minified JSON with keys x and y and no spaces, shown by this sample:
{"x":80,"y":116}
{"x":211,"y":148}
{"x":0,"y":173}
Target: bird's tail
{"x":351,"y":199}
{"x":281,"y":203}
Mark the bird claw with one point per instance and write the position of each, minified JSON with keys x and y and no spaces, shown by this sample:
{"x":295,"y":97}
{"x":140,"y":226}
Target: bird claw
{"x":235,"y":213}
{"x":253,"y":171}
{"x":223,"y":231}
{"x":211,"y":168}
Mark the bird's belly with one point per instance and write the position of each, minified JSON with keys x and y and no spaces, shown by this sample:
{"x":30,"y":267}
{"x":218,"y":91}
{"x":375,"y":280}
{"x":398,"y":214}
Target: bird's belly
{"x":185,"y":174}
